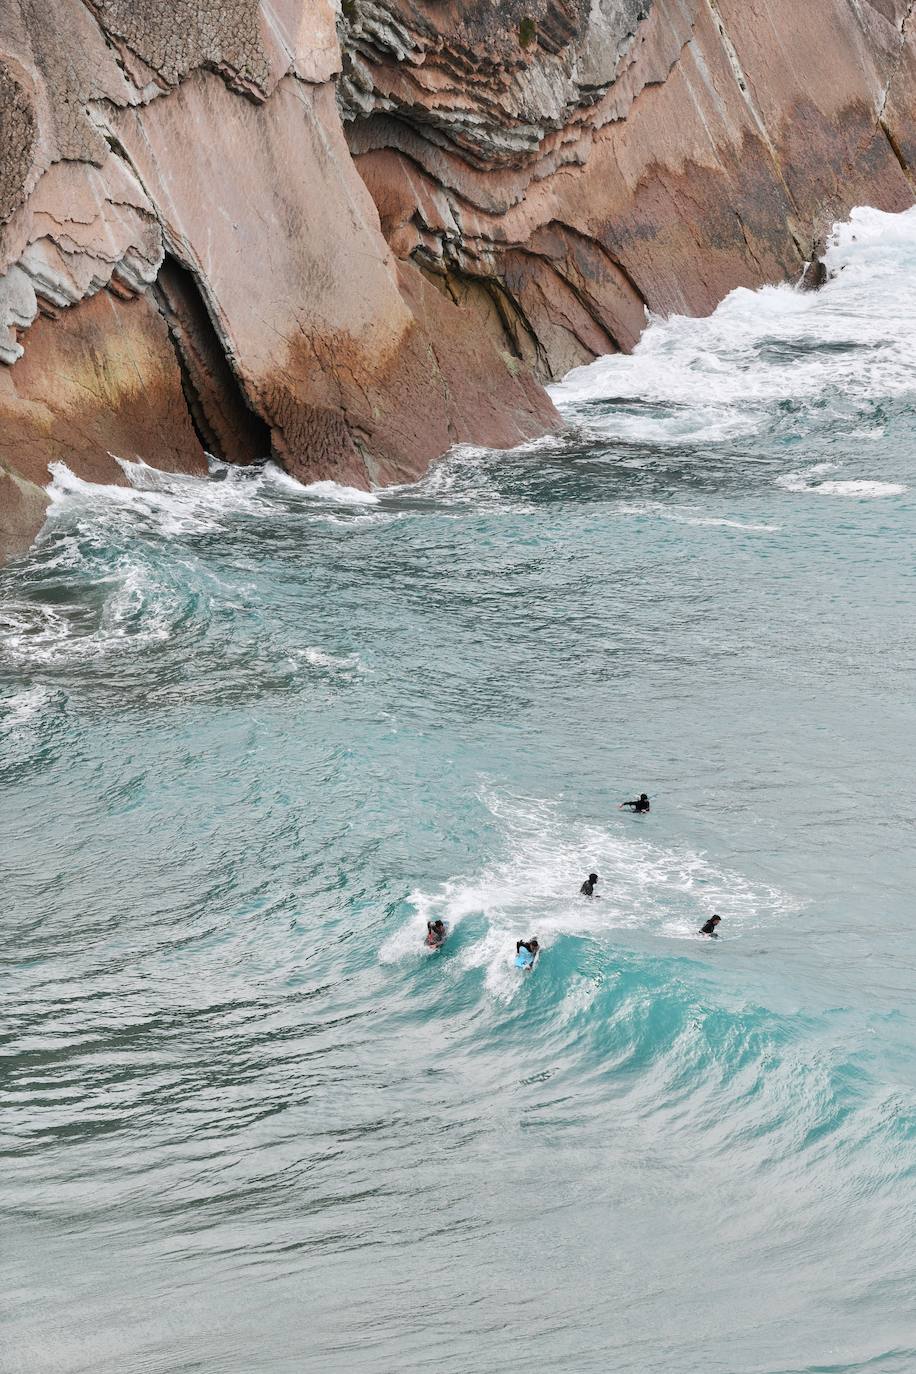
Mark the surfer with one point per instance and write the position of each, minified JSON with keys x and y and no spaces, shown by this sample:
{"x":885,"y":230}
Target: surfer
{"x":640,"y":803}
{"x":588,"y":887}
{"x":435,"y":934}
{"x":526,"y":951}
{"x":709,"y":927}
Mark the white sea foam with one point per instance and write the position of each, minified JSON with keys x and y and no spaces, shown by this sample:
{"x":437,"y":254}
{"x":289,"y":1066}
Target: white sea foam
{"x":109,"y":535}
{"x":359,"y":519}
{"x":20,"y":710}
{"x":33,"y":633}
{"x":336,"y":493}
{"x":172,"y":503}
{"x":716,"y":379}
{"x":320,"y":658}
{"x":681,"y":515}
{"x":324,"y":493}
{"x":464,"y":479}
{"x":274,"y":475}
{"x":180,"y":504}
{"x":855,"y":487}
{"x":138,"y":610}
{"x":533,"y":890}
{"x":861,"y":488}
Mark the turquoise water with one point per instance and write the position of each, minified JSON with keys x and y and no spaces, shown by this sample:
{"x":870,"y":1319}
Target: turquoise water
{"x":255,"y":735}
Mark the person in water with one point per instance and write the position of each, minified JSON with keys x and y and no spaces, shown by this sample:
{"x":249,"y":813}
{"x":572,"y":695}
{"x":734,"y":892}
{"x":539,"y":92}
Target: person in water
{"x":709,"y":927}
{"x":588,"y":887}
{"x":532,"y":947}
{"x":641,"y":803}
{"x":435,"y":933}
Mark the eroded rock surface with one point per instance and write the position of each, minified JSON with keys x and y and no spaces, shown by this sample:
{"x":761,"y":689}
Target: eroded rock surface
{"x":353,"y":237}
{"x":627,"y":155}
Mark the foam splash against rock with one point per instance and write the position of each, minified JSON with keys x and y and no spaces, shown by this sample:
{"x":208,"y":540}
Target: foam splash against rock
{"x":763,"y":354}
{"x":338,"y":494}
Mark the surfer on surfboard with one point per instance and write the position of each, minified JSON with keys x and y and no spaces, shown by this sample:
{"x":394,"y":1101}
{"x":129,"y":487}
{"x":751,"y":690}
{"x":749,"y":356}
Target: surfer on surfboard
{"x":588,"y":887}
{"x":709,"y":927}
{"x":638,"y":805}
{"x":526,"y":951}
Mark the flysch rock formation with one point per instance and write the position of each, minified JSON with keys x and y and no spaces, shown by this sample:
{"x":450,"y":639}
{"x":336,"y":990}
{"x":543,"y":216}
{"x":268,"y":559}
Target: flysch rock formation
{"x":352,"y":237}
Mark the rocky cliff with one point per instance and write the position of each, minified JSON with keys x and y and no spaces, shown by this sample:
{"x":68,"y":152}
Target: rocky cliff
{"x":353,"y":237}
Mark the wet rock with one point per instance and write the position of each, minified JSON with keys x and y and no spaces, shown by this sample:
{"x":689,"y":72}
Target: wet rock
{"x":814,"y":275}
{"x":98,"y":382}
{"x":23,"y":507}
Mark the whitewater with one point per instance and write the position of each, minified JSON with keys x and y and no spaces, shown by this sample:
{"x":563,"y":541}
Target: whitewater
{"x":254,"y":735}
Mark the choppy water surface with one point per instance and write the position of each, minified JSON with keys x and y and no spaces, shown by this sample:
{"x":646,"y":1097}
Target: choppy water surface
{"x":254,"y":736}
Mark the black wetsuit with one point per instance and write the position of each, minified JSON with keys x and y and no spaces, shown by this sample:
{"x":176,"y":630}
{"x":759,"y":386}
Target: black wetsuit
{"x":587,"y":889}
{"x":710,"y":928}
{"x":639,"y":804}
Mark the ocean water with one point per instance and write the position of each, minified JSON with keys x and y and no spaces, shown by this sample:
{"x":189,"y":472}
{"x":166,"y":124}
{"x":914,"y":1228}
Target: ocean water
{"x":254,"y":735}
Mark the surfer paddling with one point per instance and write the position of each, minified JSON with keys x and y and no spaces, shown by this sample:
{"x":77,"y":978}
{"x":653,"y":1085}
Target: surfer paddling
{"x":638,"y":805}
{"x":709,"y":927}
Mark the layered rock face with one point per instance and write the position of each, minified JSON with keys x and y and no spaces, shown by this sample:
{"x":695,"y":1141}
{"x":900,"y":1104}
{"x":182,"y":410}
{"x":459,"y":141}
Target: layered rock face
{"x":353,"y":238}
{"x":587,"y":161}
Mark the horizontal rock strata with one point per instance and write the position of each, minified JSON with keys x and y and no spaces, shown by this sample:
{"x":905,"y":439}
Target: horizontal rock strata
{"x":351,"y":238}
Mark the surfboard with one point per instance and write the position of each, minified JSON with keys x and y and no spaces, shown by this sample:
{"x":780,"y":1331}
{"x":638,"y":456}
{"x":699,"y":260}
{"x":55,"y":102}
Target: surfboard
{"x":525,"y":959}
